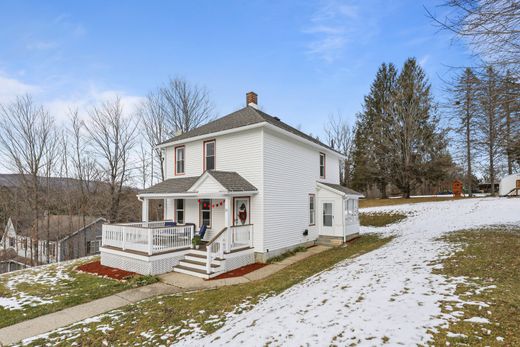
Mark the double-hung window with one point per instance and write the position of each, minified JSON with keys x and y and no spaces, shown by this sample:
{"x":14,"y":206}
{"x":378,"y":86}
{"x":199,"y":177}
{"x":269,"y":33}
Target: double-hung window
{"x":205,"y":212}
{"x":179,"y":160}
{"x":93,"y":246}
{"x":209,"y":155}
{"x":322,"y":165}
{"x":179,"y":211}
{"x":312,"y":209}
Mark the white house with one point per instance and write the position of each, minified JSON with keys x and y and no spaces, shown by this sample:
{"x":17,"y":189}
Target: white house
{"x":510,"y":185}
{"x":260,"y":186}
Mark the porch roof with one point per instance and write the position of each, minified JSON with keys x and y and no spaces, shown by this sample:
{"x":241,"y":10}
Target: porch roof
{"x":341,"y":188}
{"x":231,"y":181}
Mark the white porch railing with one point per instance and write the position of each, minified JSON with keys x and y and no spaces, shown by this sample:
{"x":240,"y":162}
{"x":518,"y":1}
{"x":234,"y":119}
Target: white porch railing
{"x":228,"y":240}
{"x":147,"y":237}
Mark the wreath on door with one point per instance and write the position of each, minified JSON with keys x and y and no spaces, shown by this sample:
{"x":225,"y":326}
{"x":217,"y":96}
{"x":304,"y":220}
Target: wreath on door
{"x":242,"y":213}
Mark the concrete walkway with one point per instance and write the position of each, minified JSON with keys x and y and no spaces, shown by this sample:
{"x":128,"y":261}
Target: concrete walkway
{"x":188,"y":282}
{"x":171,"y":283}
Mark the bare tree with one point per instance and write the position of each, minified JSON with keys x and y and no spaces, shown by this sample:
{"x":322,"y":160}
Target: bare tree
{"x":26,"y":134}
{"x":489,"y":124}
{"x":465,"y":106}
{"x":340,"y":136}
{"x":510,"y":104}
{"x":112,"y":137}
{"x":490,"y":26}
{"x":175,"y":108}
{"x":154,"y":119}
{"x":187,"y":105}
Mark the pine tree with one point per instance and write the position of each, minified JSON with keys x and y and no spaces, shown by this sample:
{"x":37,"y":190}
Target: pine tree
{"x":412,"y":136}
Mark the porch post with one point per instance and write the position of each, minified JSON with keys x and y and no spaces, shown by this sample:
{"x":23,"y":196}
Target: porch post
{"x":227,"y":221}
{"x":145,"y":206}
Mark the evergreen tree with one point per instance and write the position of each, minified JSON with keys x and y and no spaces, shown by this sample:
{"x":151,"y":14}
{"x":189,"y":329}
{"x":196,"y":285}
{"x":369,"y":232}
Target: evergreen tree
{"x":412,"y":135}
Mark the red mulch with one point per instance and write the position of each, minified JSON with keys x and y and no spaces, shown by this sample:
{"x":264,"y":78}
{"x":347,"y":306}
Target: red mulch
{"x":240,"y":271}
{"x":97,"y":269}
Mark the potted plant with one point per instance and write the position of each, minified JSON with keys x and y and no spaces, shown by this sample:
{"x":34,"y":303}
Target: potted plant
{"x":196,"y":241}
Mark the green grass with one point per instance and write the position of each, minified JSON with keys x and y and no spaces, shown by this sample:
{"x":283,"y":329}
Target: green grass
{"x":72,"y":288}
{"x":287,"y":254}
{"x":380,"y":219}
{"x":363,"y":203}
{"x":176,"y":315}
{"x":489,"y":257}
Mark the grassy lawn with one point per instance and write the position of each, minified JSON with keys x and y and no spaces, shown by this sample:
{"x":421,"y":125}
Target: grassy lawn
{"x":363,"y":203}
{"x":490,"y":262}
{"x":34,"y":292}
{"x":380,"y":219}
{"x":166,"y":319}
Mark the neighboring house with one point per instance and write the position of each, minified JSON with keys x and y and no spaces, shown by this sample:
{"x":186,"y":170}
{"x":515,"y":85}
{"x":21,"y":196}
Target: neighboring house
{"x":260,"y":186}
{"x":60,"y":237}
{"x":510,"y":185}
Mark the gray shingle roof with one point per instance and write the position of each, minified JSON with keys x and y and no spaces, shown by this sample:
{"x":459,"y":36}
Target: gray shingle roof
{"x":341,"y":188}
{"x":232,"y":181}
{"x":172,"y":185}
{"x":243,"y":117}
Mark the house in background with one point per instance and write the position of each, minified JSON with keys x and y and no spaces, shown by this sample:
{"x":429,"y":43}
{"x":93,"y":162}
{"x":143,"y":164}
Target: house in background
{"x":60,"y":237}
{"x":259,"y":186}
{"x":510,"y":185}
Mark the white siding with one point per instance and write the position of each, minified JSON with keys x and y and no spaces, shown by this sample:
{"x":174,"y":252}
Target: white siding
{"x":240,"y":152}
{"x":291,"y":170}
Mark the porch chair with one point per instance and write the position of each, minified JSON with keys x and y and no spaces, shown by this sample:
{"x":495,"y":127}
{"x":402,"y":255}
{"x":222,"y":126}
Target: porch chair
{"x":202,"y":231}
{"x":170,"y":224}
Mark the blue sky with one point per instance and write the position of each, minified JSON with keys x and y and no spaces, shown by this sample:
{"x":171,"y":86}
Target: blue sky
{"x":305,"y":59}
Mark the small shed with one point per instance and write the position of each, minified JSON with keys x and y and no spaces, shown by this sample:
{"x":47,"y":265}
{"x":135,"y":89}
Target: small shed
{"x":457,"y":188}
{"x":510,"y":185}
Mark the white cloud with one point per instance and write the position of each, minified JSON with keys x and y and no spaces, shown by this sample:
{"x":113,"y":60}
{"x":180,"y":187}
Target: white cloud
{"x":335,"y":25}
{"x":60,"y":107}
{"x":11,"y":87}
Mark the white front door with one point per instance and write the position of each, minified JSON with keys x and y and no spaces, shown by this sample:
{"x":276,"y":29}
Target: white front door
{"x":327,"y":217}
{"x":241,"y":210}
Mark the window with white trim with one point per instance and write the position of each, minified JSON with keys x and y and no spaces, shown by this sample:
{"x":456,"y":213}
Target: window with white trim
{"x":312,"y":209}
{"x":322,"y":165}
{"x":209,"y":155}
{"x":179,"y":160}
{"x":12,"y":242}
{"x":179,"y":211}
{"x":205,"y":212}
{"x":93,"y":246}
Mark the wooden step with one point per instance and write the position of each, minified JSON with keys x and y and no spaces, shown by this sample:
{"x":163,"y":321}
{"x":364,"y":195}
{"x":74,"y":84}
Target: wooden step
{"x":199,"y":258}
{"x":193,"y":272}
{"x":198,"y":265}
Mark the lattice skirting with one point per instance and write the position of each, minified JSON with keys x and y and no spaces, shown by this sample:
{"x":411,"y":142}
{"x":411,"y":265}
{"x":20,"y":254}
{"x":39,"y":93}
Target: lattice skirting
{"x":154,"y":265}
{"x":240,"y":259}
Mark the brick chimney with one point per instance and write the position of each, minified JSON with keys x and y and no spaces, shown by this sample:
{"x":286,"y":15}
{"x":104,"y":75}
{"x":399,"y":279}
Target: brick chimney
{"x":251,"y":98}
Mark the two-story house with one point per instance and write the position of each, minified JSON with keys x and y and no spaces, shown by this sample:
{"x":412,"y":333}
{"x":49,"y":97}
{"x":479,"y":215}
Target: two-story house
{"x":259,"y":186}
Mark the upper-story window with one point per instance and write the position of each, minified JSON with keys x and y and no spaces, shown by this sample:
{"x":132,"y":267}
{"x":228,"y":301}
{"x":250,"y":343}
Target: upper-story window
{"x":179,"y":160}
{"x":209,"y":155}
{"x":322,"y":165}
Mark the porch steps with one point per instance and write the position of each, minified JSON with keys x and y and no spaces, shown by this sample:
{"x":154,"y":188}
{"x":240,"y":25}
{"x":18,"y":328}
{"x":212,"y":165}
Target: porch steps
{"x":194,"y":264}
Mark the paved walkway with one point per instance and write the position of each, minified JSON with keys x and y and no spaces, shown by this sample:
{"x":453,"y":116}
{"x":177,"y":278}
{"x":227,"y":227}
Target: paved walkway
{"x":170,"y":283}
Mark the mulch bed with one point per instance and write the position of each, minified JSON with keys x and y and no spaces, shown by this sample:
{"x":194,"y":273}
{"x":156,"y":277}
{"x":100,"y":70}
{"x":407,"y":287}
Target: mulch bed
{"x":97,"y":269}
{"x":239,"y":272}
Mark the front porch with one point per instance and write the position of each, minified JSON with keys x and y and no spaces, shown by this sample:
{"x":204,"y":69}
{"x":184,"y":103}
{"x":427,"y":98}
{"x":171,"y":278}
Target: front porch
{"x":155,"y":247}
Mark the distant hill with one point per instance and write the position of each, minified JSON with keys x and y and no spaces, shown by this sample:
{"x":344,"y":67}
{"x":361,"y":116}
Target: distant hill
{"x":16,"y":181}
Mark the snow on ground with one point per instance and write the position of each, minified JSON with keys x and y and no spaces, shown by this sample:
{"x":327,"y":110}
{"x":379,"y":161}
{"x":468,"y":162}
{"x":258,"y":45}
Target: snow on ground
{"x":389,"y":294}
{"x":47,"y":276}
